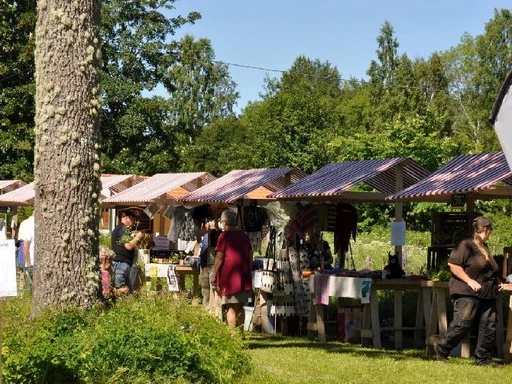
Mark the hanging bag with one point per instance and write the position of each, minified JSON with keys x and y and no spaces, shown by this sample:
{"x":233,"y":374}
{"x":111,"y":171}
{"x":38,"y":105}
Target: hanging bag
{"x":268,"y":278}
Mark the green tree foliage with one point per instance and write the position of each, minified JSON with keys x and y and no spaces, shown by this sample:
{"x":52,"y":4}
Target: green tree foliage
{"x":297,"y":117}
{"x":433,"y":84}
{"x":355,"y":107}
{"x":382,"y":75}
{"x":150,"y":142}
{"x":136,"y":54}
{"x":494,"y":50}
{"x":476,"y":68}
{"x":414,"y":138}
{"x":17,"y":105}
{"x":201,"y":90}
{"x":222,"y":146}
{"x":140,"y":133}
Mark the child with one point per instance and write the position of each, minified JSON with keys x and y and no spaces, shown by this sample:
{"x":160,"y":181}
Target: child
{"x":106,"y":257}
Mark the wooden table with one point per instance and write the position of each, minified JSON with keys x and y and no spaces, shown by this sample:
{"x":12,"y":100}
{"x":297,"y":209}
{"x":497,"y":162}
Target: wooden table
{"x":371,"y":328}
{"x":507,"y":346}
{"x":181,"y":272}
{"x":437,"y":324}
{"x":371,"y":320}
{"x":333,"y":286}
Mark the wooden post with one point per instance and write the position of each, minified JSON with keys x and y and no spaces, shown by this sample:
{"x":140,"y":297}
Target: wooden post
{"x":470,"y":203}
{"x":398,"y":318}
{"x":507,"y":348}
{"x":374,"y":305}
{"x":399,"y":185}
{"x":14,"y":219}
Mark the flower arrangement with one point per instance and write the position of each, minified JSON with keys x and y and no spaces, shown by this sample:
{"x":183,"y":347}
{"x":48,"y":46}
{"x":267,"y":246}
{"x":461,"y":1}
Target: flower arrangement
{"x":128,"y":235}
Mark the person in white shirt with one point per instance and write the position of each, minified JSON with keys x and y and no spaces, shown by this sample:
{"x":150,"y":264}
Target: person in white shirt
{"x":26,"y":233}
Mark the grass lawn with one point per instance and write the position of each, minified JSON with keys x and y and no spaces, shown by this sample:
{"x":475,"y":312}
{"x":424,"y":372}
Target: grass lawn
{"x":298,"y":360}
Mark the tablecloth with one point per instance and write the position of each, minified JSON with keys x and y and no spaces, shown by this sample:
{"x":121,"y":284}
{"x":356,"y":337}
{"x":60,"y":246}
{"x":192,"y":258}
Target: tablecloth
{"x":323,"y":286}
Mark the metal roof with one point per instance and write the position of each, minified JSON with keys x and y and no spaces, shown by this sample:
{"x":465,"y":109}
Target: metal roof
{"x":238,"y":183}
{"x":112,"y":184}
{"x":159,"y":186}
{"x":22,"y":196}
{"x":465,"y":174}
{"x":9,"y":185}
{"x":337,"y":178}
{"x":26,"y":194}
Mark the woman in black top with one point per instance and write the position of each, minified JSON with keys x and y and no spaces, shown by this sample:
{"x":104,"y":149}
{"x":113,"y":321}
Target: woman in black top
{"x":473,"y":287}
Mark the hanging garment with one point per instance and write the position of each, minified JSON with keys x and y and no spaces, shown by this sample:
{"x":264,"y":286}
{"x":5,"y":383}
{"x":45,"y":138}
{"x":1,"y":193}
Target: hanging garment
{"x":202,"y":212}
{"x":253,"y":217}
{"x":346,"y":226}
{"x":300,"y":289}
{"x":189,"y":229}
{"x":177,"y":216}
{"x":255,"y":238}
{"x":306,"y":220}
{"x":172,"y":279}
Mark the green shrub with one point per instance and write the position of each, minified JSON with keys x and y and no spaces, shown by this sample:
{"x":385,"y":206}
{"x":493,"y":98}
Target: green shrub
{"x":105,"y":240}
{"x":157,"y":339}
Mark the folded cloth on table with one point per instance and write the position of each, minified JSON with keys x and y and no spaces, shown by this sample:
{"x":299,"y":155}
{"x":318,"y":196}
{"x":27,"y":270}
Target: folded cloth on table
{"x":321,"y":289}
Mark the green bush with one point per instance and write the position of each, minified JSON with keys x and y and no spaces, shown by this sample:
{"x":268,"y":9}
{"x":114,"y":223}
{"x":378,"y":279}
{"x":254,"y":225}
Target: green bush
{"x":105,"y":240}
{"x":157,"y":339}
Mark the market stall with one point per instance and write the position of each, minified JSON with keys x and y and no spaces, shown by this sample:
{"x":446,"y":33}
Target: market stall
{"x":462,"y":181}
{"x":326,"y":201}
{"x":10,"y":185}
{"x":7,"y":186}
{"x":156,"y":193}
{"x":246,"y":192}
{"x":24,"y":195}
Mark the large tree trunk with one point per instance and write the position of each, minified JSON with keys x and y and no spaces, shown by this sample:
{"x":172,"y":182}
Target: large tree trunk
{"x":67,"y":170}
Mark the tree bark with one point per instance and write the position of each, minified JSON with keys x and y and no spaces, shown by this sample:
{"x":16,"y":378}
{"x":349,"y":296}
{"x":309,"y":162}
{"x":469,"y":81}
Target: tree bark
{"x":67,"y":169}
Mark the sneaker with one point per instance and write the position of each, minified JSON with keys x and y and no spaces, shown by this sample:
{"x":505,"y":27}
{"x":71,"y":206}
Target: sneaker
{"x":491,"y":364}
{"x":440,"y":355}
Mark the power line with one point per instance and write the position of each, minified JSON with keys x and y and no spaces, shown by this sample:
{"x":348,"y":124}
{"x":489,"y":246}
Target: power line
{"x":264,"y":69}
{"x":306,"y":74}
{"x":250,"y":67}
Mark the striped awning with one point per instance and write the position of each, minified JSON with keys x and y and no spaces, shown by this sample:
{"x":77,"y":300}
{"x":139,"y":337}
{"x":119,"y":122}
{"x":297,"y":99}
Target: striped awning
{"x":337,"y":179}
{"x":237,"y":184}
{"x":10,"y":185}
{"x":109,"y":183}
{"x":112,"y":184}
{"x":162,"y":186}
{"x":485,"y":175}
{"x":22,"y":196}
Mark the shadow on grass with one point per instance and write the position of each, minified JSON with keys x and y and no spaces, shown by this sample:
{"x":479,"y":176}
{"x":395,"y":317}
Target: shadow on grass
{"x":259,"y":341}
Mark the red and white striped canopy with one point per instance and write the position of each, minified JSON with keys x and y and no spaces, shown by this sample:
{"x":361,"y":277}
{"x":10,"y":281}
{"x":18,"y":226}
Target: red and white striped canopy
{"x":336,"y":180}
{"x":484,"y":175}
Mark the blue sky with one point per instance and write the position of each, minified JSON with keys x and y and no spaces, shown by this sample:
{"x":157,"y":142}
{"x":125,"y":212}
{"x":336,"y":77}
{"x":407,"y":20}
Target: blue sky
{"x":273,"y":33}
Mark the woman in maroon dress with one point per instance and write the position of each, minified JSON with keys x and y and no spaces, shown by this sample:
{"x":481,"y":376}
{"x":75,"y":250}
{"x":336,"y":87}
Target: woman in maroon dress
{"x":232,"y":269}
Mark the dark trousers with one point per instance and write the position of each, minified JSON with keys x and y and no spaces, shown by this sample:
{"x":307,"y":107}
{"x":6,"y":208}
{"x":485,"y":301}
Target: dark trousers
{"x":465,"y":311}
